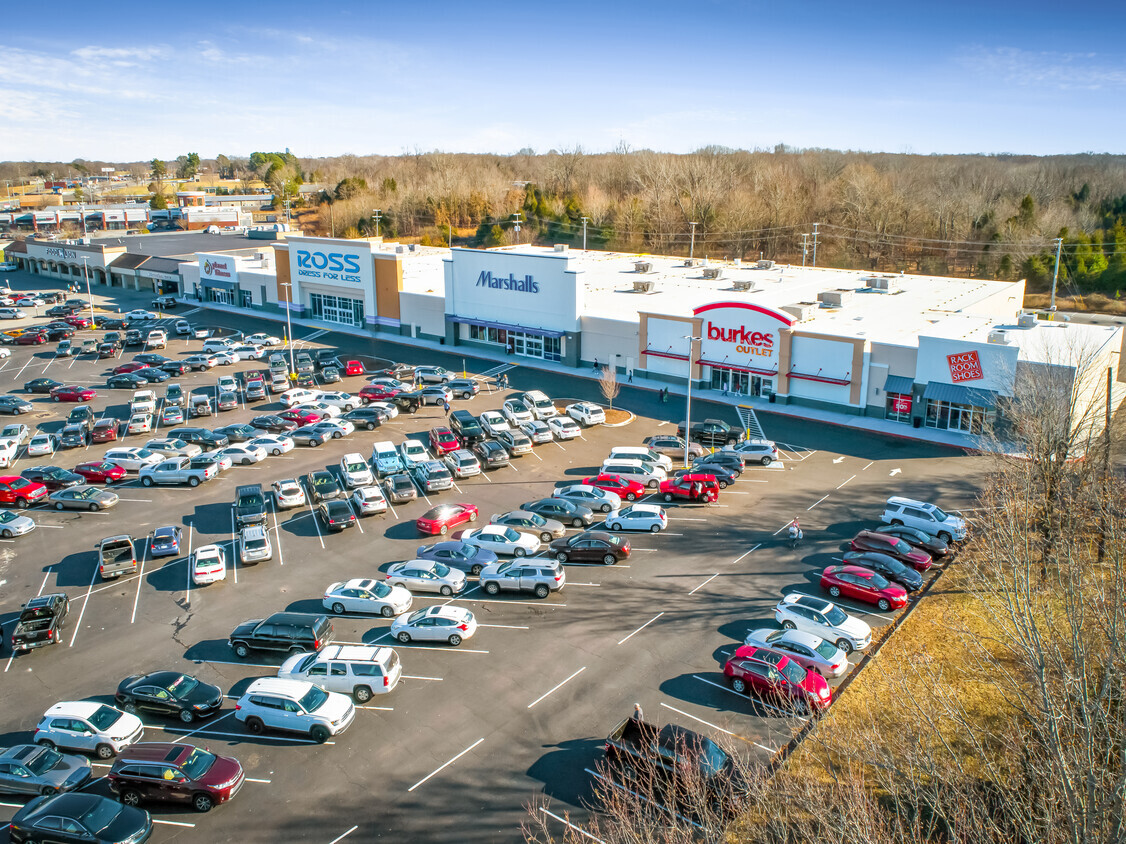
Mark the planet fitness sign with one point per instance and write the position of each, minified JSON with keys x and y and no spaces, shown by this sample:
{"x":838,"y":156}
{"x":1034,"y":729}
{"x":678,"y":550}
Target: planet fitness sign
{"x":964,"y":366}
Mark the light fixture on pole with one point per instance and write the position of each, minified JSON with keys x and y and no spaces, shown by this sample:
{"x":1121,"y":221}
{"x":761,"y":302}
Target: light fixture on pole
{"x":89,"y":297}
{"x":289,"y":325}
{"x":688,"y":405}
{"x":377,"y":216}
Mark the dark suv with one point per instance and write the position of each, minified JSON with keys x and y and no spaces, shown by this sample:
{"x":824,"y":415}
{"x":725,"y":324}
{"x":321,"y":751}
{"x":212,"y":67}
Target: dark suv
{"x":174,"y":773}
{"x":468,"y":429}
{"x":288,"y":632}
{"x":200,"y":436}
{"x":82,"y":415}
{"x":712,"y":432}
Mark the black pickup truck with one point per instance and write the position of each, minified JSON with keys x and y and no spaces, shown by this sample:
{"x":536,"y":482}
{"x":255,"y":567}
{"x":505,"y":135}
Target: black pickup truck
{"x":41,"y":622}
{"x":713,"y":433}
{"x":670,"y":754}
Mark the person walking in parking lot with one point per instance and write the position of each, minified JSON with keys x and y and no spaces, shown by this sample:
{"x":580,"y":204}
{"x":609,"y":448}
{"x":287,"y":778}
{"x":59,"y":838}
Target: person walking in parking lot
{"x":637,"y":715}
{"x":446,"y":406}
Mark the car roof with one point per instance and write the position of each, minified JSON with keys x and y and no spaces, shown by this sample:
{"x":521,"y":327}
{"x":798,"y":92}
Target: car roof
{"x":80,"y":708}
{"x":365,"y":653}
{"x":278,"y":686}
{"x":155,"y":751}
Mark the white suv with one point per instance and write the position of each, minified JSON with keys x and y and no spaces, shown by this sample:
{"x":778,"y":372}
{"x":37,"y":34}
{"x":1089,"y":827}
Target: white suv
{"x":358,"y":670}
{"x":254,"y":545}
{"x":925,"y":517}
{"x":90,"y":727}
{"x":296,"y":707}
{"x":355,"y":471}
{"x":586,"y":413}
{"x":541,"y":406}
{"x":216,"y":344}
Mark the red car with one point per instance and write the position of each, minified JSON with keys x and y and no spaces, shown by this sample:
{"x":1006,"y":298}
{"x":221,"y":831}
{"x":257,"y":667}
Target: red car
{"x":893,"y":546}
{"x":70,"y":392}
{"x":443,"y":441}
{"x":353,"y":367}
{"x":702,"y":488}
{"x":628,"y":490}
{"x":861,"y":584}
{"x":438,"y":520}
{"x":77,"y":320}
{"x":174,"y":773}
{"x":105,"y":431}
{"x":131,"y":366}
{"x":31,"y":338}
{"x":21,"y":491}
{"x":100,"y":472}
{"x":377,"y":392}
{"x":777,"y":678}
{"x":301,"y":417}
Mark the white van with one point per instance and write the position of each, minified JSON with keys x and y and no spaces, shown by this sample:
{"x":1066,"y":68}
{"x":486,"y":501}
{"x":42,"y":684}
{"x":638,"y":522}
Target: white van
{"x":541,"y":406}
{"x":925,"y":517}
{"x":641,"y":452}
{"x":358,"y":670}
{"x":645,"y":473}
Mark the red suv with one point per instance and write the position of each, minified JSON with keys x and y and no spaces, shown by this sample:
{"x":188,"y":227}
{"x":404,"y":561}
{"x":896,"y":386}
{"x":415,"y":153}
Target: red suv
{"x":377,"y":392}
{"x":443,"y":441}
{"x":21,"y":491}
{"x":174,"y":773}
{"x":703,"y":488}
{"x":625,"y":489}
{"x":778,"y":678}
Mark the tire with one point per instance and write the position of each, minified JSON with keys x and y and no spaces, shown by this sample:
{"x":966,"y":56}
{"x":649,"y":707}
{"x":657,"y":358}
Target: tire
{"x":731,"y":442}
{"x":739,"y":685}
{"x":22,"y":503}
{"x":245,"y":461}
{"x":386,"y":612}
{"x":545,"y":537}
{"x":845,"y":645}
{"x":186,"y":716}
{"x":94,"y":508}
{"x":55,"y":398}
{"x":255,"y":726}
{"x":609,"y":560}
{"x":314,"y":443}
{"x":58,"y":505}
{"x":146,"y":481}
{"x":606,"y":508}
{"x":945,"y":537}
{"x":576,"y":523}
{"x":766,"y":461}
{"x":615,"y":526}
{"x":722,"y":484}
{"x":48,"y":791}
{"x":653,"y":484}
{"x":631,"y":496}
{"x":319,"y":734}
{"x":454,"y":640}
{"x":898,"y":522}
{"x":104,"y":751}
{"x":884,"y":604}
{"x":297,"y":649}
{"x":131,"y":798}
{"x":466,"y":395}
{"x":518,"y":552}
{"x":789,"y":625}
{"x":445,"y":530}
{"x":202,"y":802}
{"x":47,"y":743}
{"x":668,"y":497}
{"x":241,"y":650}
{"x":835,"y":591}
{"x":338,"y":609}
{"x":654,"y":528}
{"x":276,"y":452}
{"x":492,"y":588}
{"x":472,"y":517}
{"x":404,"y":637}
{"x":446,"y":591}
{"x":130,"y":707}
{"x":193,"y":481}
{"x":542,"y":591}
{"x":336,"y":435}
{"x":8,"y":534}
{"x":362,"y":694}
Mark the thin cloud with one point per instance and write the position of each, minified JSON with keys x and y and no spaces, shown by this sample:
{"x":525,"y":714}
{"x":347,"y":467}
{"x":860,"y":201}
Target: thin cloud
{"x":1045,"y":69}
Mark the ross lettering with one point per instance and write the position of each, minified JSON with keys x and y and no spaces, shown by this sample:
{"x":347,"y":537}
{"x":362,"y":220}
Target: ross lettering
{"x":328,"y":266}
{"x":527,"y":284}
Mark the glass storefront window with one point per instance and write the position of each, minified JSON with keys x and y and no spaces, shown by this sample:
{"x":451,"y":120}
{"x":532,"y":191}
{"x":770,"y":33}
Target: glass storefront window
{"x":337,"y":309}
{"x":521,"y":343}
{"x":740,"y":383}
{"x":899,"y":407}
{"x":957,"y":417}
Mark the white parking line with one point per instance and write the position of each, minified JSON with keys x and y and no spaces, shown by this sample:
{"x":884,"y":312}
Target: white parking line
{"x":745,"y":553}
{"x":505,"y":626}
{"x":868,"y":465}
{"x":556,"y":688}
{"x":815,"y":503}
{"x":252,"y":779}
{"x":78,"y":624}
{"x":642,"y":627}
{"x":317,"y":526}
{"x":416,"y":677}
{"x":846,"y":481}
{"x":345,"y":835}
{"x":621,"y":787}
{"x":446,"y":765}
{"x":277,"y":532}
{"x":140,"y":577}
{"x":717,"y":727}
{"x":744,"y":697}
{"x":174,"y":823}
{"x":570,"y":825}
{"x":705,"y":583}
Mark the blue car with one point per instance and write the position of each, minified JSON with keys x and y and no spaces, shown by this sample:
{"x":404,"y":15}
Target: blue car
{"x":457,"y":555}
{"x":165,"y":542}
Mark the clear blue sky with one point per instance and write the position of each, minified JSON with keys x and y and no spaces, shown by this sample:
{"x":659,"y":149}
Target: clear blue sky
{"x":126,"y":80}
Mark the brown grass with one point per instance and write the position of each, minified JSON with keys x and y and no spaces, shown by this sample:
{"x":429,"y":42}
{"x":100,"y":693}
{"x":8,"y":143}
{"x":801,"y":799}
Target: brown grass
{"x":1096,"y":303}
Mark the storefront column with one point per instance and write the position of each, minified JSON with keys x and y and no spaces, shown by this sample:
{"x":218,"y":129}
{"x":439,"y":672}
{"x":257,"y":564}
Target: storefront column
{"x":572,"y":349}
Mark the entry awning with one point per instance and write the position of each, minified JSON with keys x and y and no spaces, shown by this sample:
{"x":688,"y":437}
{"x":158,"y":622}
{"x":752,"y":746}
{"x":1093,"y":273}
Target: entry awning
{"x":769,"y":373}
{"x":819,"y":378}
{"x":669,"y":355}
{"x":484,"y":323}
{"x":900,"y":384}
{"x":960,"y":394}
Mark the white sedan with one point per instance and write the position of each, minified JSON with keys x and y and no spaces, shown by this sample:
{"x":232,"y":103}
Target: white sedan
{"x":435,"y":624}
{"x":208,"y":564}
{"x":342,"y":401}
{"x":140,"y":423}
{"x":825,"y":619}
{"x":5,"y":352}
{"x":537,"y":431}
{"x":226,"y":356}
{"x":564,"y":428}
{"x":589,"y":496}
{"x":140,"y":314}
{"x":19,"y":433}
{"x":391,"y":409}
{"x":426,"y":576}
{"x":363,"y":595}
{"x":42,"y":444}
{"x":288,"y":494}
{"x":369,"y":500}
{"x":326,"y":411}
{"x":264,"y":340}
{"x":133,"y":459}
{"x":243,"y":453}
{"x":294,"y":397}
{"x":275,"y":444}
{"x":500,"y":539}
{"x":516,"y":412}
{"x":648,"y":517}
{"x":586,"y":413}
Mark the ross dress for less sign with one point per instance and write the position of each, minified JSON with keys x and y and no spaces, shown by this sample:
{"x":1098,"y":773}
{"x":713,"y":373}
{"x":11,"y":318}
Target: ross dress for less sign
{"x":964,"y":366}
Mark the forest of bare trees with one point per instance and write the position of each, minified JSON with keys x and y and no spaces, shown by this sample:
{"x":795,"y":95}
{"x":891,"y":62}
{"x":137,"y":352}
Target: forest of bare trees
{"x":968,"y":215}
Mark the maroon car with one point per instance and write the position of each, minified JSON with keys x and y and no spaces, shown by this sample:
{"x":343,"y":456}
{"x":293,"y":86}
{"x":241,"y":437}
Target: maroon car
{"x":105,"y":431}
{"x":893,"y":546}
{"x":174,"y":773}
{"x":78,"y":321}
{"x":72,"y":392}
{"x":130,"y":366}
{"x":32,"y":338}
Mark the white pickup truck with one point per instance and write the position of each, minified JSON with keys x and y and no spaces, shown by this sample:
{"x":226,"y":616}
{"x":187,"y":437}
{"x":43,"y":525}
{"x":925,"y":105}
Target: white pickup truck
{"x":177,"y":470}
{"x":144,"y":401}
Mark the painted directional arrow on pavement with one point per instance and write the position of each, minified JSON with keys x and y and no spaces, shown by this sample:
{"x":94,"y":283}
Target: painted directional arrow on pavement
{"x":839,"y":459}
{"x":895,"y":472}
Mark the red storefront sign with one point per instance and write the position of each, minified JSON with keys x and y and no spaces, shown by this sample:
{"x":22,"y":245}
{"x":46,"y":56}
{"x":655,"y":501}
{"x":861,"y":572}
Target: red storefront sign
{"x":965,"y":366}
{"x":901,"y":404}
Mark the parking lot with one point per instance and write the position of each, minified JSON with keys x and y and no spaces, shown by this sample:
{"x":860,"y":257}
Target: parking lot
{"x":472,"y":733}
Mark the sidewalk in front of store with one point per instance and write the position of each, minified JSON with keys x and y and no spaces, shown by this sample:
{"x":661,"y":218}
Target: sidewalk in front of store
{"x":760,"y":406}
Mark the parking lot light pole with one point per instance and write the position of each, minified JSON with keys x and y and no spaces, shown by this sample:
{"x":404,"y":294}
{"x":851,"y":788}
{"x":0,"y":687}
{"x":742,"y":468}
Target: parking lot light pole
{"x":688,"y":405}
{"x":289,"y":326}
{"x":89,"y":296}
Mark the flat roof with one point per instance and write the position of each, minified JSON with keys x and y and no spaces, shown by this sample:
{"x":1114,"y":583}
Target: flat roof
{"x":183,"y":244}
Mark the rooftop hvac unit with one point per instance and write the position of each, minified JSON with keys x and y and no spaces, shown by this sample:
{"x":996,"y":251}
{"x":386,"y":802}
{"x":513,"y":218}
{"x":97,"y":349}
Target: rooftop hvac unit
{"x":801,"y":311}
{"x":642,"y":266}
{"x":1026,"y":320}
{"x":764,"y":265}
{"x":644,"y":286}
{"x":743,"y":286}
{"x":692,"y":262}
{"x":836,"y":298}
{"x":882,"y":284}
{"x":713,"y":272}
{"x":561,"y":247}
{"x":1001,"y":337}
{"x":412,"y":246}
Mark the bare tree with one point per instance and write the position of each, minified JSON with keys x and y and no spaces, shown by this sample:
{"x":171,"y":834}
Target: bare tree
{"x":608,"y":384}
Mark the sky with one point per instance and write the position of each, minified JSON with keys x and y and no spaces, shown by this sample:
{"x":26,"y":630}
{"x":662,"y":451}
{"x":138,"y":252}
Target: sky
{"x":128,"y":81}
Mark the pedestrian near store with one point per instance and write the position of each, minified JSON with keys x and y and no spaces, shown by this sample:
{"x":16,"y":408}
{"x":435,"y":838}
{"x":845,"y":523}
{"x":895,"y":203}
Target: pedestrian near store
{"x":629,"y":380}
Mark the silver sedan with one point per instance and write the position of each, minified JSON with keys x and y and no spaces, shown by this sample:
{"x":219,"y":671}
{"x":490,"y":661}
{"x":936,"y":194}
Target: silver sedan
{"x":83,"y":498}
{"x":426,"y":576}
{"x":810,"y":652}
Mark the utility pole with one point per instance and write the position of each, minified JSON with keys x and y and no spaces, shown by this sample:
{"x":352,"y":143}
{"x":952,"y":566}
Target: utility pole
{"x":692,"y":244}
{"x":804,"y":246}
{"x":377,"y":216}
{"x":584,"y":232}
{"x":815,"y":225}
{"x":516,"y":228}
{"x":688,"y":402}
{"x":1055,"y":275}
